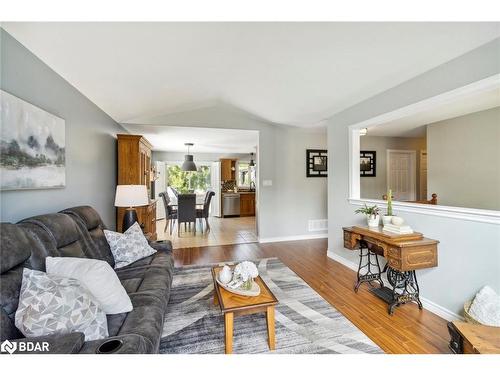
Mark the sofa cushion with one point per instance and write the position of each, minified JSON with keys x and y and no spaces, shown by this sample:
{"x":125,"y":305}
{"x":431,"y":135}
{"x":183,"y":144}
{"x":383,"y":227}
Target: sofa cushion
{"x":97,"y":276}
{"x":15,"y":249}
{"x":89,"y":220}
{"x":57,"y":305}
{"x":56,"y":235}
{"x":129,"y":246}
{"x":15,"y":246}
{"x":146,"y":319}
{"x":131,"y":284}
{"x":115,"y":322}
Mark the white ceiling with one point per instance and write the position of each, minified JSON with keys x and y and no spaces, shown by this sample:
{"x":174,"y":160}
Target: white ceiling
{"x":210,"y":140}
{"x":288,"y":73}
{"x":415,"y":125}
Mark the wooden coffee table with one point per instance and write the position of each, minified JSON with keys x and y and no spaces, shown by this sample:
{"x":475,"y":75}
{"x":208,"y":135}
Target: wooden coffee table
{"x":235,"y":305}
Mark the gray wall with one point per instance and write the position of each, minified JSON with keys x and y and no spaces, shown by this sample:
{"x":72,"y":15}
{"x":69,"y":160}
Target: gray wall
{"x":284,"y":208}
{"x":376,"y":187}
{"x":469,"y":252}
{"x":464,"y":160}
{"x":90,"y":139}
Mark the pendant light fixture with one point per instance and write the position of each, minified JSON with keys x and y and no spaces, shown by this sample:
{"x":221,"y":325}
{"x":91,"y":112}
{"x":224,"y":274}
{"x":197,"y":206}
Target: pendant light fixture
{"x":188,"y":165}
{"x":252,"y":163}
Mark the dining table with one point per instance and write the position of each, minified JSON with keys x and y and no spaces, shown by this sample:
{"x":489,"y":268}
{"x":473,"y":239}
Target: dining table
{"x":200,"y":201}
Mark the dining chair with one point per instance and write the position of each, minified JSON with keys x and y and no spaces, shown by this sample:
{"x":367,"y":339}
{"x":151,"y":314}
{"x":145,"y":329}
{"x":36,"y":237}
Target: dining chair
{"x":170,"y":212}
{"x":174,"y":190}
{"x":202,"y":213}
{"x":186,"y":211}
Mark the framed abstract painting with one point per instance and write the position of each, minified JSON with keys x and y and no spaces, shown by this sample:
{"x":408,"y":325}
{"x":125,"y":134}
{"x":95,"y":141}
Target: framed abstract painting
{"x":32,"y":146}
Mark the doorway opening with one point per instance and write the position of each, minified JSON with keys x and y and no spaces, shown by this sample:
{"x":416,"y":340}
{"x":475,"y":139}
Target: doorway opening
{"x":227,"y":165}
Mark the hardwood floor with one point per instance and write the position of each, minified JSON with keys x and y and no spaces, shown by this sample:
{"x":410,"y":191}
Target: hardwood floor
{"x":409,"y":330}
{"x":224,"y":231}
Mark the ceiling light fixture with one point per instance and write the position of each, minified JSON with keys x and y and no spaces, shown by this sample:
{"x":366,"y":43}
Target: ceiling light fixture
{"x":252,"y":163}
{"x":363,"y":131}
{"x":188,"y":165}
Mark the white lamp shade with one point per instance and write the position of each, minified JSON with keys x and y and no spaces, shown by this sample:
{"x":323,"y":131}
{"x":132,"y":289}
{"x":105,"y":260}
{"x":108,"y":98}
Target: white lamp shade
{"x":131,"y":196}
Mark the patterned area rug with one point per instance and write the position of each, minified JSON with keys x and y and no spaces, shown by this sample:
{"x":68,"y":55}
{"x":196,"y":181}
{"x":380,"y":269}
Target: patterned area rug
{"x":305,"y":322}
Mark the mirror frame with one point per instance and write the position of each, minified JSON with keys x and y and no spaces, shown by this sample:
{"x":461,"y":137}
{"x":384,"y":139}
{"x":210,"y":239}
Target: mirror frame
{"x":464,"y":213}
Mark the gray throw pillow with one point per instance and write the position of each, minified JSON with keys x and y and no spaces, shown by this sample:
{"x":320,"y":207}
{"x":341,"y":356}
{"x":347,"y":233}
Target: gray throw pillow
{"x":129,"y":246}
{"x":54,"y":304}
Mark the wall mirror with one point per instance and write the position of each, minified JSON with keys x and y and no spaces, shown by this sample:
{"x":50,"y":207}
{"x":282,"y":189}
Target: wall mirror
{"x":443,"y":152}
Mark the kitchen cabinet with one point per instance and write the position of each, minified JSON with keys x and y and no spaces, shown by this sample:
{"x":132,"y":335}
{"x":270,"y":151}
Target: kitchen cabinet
{"x":228,"y":169}
{"x":247,"y":204}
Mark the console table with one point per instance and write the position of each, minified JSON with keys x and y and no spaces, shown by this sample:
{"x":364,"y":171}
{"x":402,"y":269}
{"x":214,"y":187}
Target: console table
{"x":404,"y":253}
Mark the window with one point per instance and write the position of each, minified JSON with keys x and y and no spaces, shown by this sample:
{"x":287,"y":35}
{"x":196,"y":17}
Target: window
{"x":186,"y":182}
{"x":246,"y":174}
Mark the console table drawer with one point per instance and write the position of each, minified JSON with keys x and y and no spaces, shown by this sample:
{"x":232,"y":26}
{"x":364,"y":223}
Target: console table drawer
{"x":351,"y":240}
{"x":419,"y":257}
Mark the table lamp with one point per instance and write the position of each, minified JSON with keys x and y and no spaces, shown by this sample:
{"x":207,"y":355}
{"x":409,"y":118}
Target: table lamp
{"x":130,"y":196}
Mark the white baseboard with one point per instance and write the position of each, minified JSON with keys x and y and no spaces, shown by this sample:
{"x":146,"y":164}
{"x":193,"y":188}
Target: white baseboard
{"x":294,"y":238}
{"x":428,"y":304}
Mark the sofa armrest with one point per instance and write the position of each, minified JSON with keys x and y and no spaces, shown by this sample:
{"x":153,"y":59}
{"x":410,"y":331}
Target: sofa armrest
{"x":68,"y":343}
{"x":131,"y":344}
{"x":165,"y":245}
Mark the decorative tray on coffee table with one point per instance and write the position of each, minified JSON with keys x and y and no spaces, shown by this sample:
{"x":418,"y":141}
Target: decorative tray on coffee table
{"x":254,"y":291}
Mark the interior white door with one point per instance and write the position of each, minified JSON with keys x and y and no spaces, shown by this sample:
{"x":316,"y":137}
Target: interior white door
{"x":401,"y":174}
{"x":215,"y":209}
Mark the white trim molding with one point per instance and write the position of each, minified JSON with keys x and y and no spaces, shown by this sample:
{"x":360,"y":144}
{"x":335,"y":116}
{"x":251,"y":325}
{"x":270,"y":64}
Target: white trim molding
{"x":294,"y":238}
{"x":428,"y":304}
{"x":459,"y":213}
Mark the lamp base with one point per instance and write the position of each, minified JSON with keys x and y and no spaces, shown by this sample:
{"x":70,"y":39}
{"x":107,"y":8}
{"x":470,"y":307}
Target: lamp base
{"x":129,"y":218}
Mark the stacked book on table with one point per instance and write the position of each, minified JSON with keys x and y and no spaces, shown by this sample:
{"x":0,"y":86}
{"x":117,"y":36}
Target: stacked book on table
{"x":403,"y":229}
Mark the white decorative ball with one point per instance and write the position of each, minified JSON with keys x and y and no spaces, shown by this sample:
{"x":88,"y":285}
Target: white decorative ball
{"x":225,"y":275}
{"x":396,"y":220}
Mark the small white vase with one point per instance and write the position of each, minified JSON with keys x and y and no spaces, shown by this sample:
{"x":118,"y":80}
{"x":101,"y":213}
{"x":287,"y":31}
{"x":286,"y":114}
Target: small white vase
{"x":386,"y":219}
{"x":373,"y":221}
{"x":225,"y":275}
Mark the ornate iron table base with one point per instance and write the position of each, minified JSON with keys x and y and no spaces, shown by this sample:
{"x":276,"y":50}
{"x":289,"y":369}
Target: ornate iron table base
{"x":404,"y":284}
{"x":404,"y":289}
{"x":368,"y":260}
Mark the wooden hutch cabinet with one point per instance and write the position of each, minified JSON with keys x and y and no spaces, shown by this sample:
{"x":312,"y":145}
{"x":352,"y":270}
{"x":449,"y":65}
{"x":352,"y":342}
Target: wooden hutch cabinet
{"x":135,"y":168}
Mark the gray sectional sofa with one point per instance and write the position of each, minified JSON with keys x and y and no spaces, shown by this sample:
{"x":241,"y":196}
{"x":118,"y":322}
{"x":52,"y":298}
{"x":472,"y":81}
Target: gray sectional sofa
{"x":78,"y":232}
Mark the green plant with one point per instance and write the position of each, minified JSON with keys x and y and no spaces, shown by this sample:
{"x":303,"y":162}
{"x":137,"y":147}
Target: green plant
{"x":389,"y":203}
{"x":372,"y":211}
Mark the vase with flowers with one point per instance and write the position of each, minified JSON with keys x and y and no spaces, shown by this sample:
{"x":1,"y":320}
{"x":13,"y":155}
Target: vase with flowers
{"x":372,"y":214}
{"x":246,"y":272}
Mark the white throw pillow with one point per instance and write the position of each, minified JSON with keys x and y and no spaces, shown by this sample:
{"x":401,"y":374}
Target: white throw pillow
{"x":129,"y":246}
{"x":486,"y":307}
{"x":97,"y":276}
{"x":51,"y":304}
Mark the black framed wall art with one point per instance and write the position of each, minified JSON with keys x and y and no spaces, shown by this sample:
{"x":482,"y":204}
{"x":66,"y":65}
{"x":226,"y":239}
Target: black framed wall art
{"x":316,"y":163}
{"x":368,"y":163}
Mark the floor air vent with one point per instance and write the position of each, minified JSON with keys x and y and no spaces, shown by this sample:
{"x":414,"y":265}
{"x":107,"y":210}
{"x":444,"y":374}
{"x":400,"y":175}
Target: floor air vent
{"x":318,"y":225}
